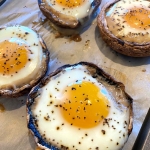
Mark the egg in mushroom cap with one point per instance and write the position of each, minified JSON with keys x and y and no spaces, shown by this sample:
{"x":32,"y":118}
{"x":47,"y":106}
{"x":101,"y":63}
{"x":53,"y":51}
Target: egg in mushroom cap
{"x":125,"y":26}
{"x":79,"y":107}
{"x":23,"y":60}
{"x":69,"y":16}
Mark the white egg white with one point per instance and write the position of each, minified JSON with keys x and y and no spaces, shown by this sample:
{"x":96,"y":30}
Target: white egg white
{"x":23,"y":36}
{"x":118,"y":25}
{"x":79,"y":12}
{"x":56,"y":130}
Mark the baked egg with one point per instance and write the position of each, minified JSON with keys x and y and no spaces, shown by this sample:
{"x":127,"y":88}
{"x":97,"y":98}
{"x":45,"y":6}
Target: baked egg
{"x":125,"y":26}
{"x":69,"y":16}
{"x":23,"y":59}
{"x":79,"y":107}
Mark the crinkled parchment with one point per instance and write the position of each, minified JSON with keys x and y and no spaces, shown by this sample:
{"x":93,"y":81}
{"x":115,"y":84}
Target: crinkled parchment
{"x":133,"y":72}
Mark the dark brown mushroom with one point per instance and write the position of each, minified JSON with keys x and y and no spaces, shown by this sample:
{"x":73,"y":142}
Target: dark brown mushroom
{"x":66,"y":24}
{"x":19,"y":90}
{"x":124,"y":47}
{"x":97,"y":73}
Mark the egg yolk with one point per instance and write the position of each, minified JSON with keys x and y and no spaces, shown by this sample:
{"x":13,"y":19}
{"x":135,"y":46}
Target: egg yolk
{"x":70,"y":3}
{"x":138,"y":18}
{"x":84,"y":105}
{"x":13,"y":57}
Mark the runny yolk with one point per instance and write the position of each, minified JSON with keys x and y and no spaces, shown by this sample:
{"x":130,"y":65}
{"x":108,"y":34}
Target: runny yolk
{"x":138,"y":18}
{"x":84,"y":105}
{"x":70,"y":3}
{"x":13,"y":57}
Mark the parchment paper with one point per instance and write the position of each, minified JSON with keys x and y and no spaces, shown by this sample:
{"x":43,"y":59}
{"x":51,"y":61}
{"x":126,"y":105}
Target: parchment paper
{"x":133,"y":72}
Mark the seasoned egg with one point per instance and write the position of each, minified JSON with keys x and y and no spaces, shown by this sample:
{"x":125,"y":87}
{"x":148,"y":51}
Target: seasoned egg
{"x":79,"y":107}
{"x":130,"y":20}
{"x":77,"y":8}
{"x":125,"y":26}
{"x":22,"y":53}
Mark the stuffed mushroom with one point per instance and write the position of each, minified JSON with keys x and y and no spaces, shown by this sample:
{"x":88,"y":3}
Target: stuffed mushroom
{"x":79,"y":107}
{"x":68,"y":16}
{"x":125,"y":26}
{"x":23,"y":60}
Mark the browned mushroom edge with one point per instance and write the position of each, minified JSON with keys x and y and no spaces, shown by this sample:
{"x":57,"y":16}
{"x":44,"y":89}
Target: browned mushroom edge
{"x":19,"y":91}
{"x":127,"y":48}
{"x":95,"y":73}
{"x":61,"y":21}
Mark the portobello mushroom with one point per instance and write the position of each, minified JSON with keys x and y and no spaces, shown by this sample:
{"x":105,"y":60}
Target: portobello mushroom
{"x":124,"y":26}
{"x":24,"y":60}
{"x":46,"y":110}
{"x":71,"y":16}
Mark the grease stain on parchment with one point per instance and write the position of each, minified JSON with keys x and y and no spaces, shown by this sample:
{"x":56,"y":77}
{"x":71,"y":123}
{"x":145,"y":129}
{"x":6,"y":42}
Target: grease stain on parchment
{"x":2,"y":108}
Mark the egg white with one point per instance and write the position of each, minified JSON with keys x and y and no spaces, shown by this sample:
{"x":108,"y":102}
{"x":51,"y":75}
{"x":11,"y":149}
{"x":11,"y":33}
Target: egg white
{"x":127,"y":33}
{"x":17,"y":34}
{"x":79,"y":11}
{"x":70,"y":136}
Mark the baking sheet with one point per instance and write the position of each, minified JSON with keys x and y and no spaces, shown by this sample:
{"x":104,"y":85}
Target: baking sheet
{"x":133,"y":72}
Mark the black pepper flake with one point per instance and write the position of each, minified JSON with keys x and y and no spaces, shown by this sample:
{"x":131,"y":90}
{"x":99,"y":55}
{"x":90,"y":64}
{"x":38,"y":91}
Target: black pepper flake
{"x":57,"y":128}
{"x":108,"y":106}
{"x":46,"y":118}
{"x":103,"y":131}
{"x":73,"y":88}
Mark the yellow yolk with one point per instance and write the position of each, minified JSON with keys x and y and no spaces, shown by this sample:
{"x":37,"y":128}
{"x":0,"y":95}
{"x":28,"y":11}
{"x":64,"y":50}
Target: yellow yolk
{"x":13,"y":57}
{"x":138,"y":18}
{"x":84,"y":105}
{"x":70,"y":3}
